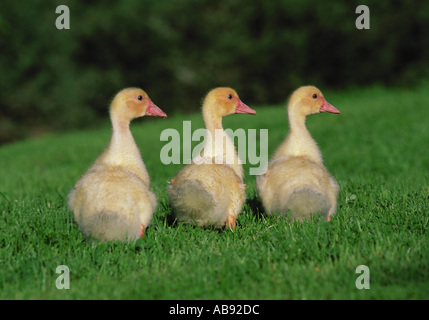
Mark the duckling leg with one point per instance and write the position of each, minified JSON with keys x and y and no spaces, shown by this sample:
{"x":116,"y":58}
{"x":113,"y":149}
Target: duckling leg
{"x":231,"y":222}
{"x":142,"y":229}
{"x":332,"y":210}
{"x":237,"y":199}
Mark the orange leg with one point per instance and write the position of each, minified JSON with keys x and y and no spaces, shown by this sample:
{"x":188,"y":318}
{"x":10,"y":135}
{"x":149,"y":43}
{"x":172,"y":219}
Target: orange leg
{"x":142,"y":229}
{"x":230,"y":222}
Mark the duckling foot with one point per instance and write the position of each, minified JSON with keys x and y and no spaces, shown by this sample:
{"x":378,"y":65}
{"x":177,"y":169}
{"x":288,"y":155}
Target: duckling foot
{"x":142,"y":229}
{"x":230,"y":222}
{"x":329,"y":218}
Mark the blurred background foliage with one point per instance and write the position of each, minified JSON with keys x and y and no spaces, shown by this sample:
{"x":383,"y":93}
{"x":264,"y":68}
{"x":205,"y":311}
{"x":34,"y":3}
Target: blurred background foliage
{"x":53,"y":80}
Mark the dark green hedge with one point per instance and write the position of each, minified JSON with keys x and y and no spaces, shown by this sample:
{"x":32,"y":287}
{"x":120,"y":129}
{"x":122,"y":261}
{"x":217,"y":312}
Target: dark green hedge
{"x":179,"y":49}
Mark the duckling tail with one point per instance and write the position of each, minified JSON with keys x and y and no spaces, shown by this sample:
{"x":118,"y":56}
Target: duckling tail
{"x":111,"y":227}
{"x":303,"y":203}
{"x":192,"y":203}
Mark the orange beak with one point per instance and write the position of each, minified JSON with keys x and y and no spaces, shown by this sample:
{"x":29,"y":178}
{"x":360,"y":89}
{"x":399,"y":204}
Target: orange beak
{"x":243,"y":108}
{"x":327,"y":107}
{"x":153,"y":110}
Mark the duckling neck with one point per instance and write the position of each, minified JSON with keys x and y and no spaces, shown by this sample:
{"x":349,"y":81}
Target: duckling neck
{"x":297,"y":125}
{"x":218,"y":145}
{"x":299,"y":141}
{"x":122,"y":150}
{"x":212,"y":122}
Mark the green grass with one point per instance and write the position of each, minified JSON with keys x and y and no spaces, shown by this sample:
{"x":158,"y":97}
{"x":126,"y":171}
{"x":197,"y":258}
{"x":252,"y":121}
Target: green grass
{"x":378,"y":150}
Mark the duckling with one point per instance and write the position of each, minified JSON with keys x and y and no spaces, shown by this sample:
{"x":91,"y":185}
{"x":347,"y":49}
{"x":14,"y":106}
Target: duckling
{"x":296,"y":179}
{"x":210,"y":191}
{"x":112,"y":200}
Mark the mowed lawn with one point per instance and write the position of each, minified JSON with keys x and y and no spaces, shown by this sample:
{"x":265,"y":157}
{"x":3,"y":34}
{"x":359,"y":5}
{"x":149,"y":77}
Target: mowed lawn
{"x":377,"y":149}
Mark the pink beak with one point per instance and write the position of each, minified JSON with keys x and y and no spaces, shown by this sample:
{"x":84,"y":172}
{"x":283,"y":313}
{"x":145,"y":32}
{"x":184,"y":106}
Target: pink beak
{"x":327,"y":107}
{"x":243,"y":108}
{"x":153,"y":110}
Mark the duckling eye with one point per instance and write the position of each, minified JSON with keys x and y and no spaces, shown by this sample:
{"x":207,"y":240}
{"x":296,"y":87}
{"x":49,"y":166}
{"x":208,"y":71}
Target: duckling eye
{"x":230,"y":96}
{"x":140,"y":98}
{"x":314,"y":96}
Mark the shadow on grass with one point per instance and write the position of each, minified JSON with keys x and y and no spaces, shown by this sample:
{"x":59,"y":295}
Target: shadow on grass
{"x":255,"y":207}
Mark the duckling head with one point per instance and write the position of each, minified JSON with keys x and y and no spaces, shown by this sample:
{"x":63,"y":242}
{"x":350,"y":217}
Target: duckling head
{"x":132,"y":103}
{"x":225,"y":101}
{"x":309,"y":100}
